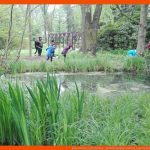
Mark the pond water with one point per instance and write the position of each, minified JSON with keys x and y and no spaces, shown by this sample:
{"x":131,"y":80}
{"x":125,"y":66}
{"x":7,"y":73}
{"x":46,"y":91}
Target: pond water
{"x":99,"y":83}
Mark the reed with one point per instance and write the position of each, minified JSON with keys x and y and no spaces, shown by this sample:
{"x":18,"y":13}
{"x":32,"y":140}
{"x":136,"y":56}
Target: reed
{"x":40,"y":115}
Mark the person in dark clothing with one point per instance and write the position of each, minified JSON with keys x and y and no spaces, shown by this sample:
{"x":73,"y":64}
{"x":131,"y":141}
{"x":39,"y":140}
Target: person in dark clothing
{"x":38,"y":46}
{"x":35,"y":43}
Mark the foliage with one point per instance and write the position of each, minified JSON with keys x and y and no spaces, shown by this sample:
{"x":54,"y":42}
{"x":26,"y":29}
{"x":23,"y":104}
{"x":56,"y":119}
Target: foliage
{"x":120,"y":35}
{"x":116,"y":60}
{"x":137,"y":64}
{"x":40,"y":115}
{"x":18,"y":18}
{"x":36,"y":118}
{"x":75,"y":62}
{"x":122,"y":32}
{"x":59,"y":21}
{"x":131,"y":12}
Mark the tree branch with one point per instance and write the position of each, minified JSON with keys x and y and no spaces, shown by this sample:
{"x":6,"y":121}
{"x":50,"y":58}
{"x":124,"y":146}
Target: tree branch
{"x":9,"y":32}
{"x":123,"y":14}
{"x":34,"y":8}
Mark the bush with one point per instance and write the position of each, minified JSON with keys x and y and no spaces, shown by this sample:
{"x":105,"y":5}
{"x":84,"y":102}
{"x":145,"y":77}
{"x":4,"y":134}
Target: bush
{"x":120,"y":35}
{"x":137,"y":64}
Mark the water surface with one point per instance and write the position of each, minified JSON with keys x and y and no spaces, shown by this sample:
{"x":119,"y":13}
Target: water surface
{"x":99,"y":83}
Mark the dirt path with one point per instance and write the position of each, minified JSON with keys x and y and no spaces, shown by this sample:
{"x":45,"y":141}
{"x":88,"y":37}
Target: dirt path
{"x":33,"y":58}
{"x":36,"y":58}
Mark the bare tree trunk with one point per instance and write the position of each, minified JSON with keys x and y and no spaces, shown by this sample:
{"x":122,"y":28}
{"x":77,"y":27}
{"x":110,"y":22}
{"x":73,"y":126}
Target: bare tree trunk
{"x":24,"y":29}
{"x":96,"y":18}
{"x":84,"y":11}
{"x":45,"y":17}
{"x":69,"y":18}
{"x":4,"y":56}
{"x":59,"y":23}
{"x":89,"y":27}
{"x":142,"y":28}
{"x":9,"y":33}
{"x":30,"y":31}
{"x":50,"y":23}
{"x":50,"y":27}
{"x":45,"y":23}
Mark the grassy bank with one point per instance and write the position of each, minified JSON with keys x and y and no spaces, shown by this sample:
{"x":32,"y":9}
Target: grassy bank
{"x":78,"y":62}
{"x":40,"y":115}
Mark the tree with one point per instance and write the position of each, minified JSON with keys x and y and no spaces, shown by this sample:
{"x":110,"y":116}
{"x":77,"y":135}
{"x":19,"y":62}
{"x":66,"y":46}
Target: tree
{"x":23,"y":31}
{"x":48,"y":18}
{"x":142,"y":28}
{"x":69,"y":18}
{"x":30,"y":31}
{"x":89,"y":26}
{"x":9,"y":32}
{"x":119,"y":27}
{"x":127,"y":11}
{"x":44,"y":9}
{"x":59,"y":21}
{"x":50,"y":24}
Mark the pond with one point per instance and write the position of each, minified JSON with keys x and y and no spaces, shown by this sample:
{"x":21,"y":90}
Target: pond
{"x":99,"y":83}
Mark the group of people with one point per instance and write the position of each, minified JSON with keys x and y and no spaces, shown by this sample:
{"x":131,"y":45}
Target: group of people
{"x":51,"y":48}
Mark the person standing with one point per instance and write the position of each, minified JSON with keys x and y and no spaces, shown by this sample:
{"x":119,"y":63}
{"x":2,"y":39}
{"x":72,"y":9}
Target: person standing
{"x":38,"y":46}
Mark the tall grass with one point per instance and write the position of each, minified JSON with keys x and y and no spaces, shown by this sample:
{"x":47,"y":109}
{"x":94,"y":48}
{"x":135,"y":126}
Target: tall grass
{"x":40,"y":115}
{"x":75,"y":62}
{"x":137,"y":64}
{"x":79,"y":62}
{"x":35,"y":118}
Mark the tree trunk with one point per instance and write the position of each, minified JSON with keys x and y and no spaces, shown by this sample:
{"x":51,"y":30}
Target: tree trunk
{"x":142,"y":28}
{"x":52,"y":18}
{"x":69,"y":18}
{"x":30,"y":32}
{"x":4,"y":54}
{"x":50,"y":21}
{"x":23,"y":32}
{"x":89,"y":27}
{"x":9,"y":32}
{"x":45,"y":16}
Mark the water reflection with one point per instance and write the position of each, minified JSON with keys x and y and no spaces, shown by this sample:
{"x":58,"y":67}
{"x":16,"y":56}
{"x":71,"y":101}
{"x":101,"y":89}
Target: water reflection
{"x":97,"y":83}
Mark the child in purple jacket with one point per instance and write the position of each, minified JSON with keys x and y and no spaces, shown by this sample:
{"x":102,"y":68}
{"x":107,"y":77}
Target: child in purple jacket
{"x":66,"y":49}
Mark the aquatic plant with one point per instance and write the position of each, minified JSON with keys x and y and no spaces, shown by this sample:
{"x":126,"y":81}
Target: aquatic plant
{"x":40,"y":115}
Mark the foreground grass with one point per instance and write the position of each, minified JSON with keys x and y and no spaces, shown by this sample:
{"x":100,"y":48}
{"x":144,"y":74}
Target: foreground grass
{"x":78,"y":62}
{"x":40,"y":115}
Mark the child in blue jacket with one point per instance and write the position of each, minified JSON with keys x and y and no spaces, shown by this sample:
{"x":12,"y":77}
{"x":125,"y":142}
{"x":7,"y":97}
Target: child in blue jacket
{"x":133,"y":53}
{"x":51,"y":50}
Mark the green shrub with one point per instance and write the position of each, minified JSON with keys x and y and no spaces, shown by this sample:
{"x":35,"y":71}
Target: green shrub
{"x":137,"y":64}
